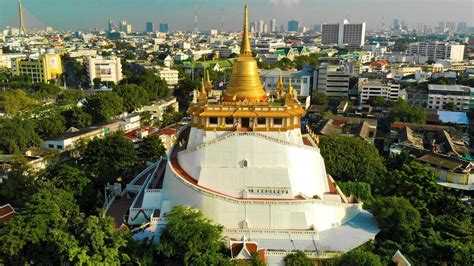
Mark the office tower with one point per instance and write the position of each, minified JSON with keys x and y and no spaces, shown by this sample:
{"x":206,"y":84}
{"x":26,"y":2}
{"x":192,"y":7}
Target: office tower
{"x":317,"y":27}
{"x":395,"y":25}
{"x":253,"y":27}
{"x":164,"y":27}
{"x":44,"y":69}
{"x":265,"y":28}
{"x":330,"y":34}
{"x":293,"y":25}
{"x":441,"y":26}
{"x":150,"y":27}
{"x":260,"y":26}
{"x":20,"y":14}
{"x":352,"y":35}
{"x":128,"y":28}
{"x":273,"y":25}
{"x":111,"y":26}
{"x":462,"y":27}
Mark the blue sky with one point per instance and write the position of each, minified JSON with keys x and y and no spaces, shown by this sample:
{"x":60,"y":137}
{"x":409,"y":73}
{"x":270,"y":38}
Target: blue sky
{"x":87,"y":14}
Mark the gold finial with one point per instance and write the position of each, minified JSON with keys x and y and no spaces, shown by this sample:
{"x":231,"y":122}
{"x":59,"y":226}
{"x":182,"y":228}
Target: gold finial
{"x":280,"y":86}
{"x":245,"y":46}
{"x":202,"y":92}
{"x":290,"y":87}
{"x":208,"y":82}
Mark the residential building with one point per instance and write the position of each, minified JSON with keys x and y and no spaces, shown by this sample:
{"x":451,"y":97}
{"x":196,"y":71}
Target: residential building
{"x":378,"y":88}
{"x":157,"y":108}
{"x":293,"y":25}
{"x":44,"y":69}
{"x":438,"y":50}
{"x":273,"y":25}
{"x":461,"y":96}
{"x":165,"y":59}
{"x":73,"y":137}
{"x":108,"y":69}
{"x":300,"y":80}
{"x":225,"y":51}
{"x":364,"y":129}
{"x":345,"y":34}
{"x":171,"y":76}
{"x":332,"y":79}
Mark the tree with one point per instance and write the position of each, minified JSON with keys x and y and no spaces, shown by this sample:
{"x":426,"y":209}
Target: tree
{"x":169,"y":116}
{"x":14,"y":102}
{"x":45,"y":91}
{"x":70,"y":97}
{"x":146,"y":118}
{"x":321,"y":98}
{"x":360,"y":190}
{"x":50,"y":124}
{"x":97,"y":82}
{"x":359,"y":257}
{"x":19,"y":185}
{"x":104,"y":106}
{"x":402,"y":112}
{"x":133,"y":96}
{"x":109,"y":158}
{"x":152,"y":148}
{"x":298,"y":259}
{"x":17,"y":134}
{"x":184,"y":92}
{"x":189,"y":238}
{"x":351,"y":159}
{"x":76,"y":117}
{"x":450,"y":106}
{"x":397,"y":218}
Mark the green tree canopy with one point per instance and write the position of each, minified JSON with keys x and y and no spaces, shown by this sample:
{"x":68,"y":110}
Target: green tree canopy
{"x":359,"y":257}
{"x":50,"y":124}
{"x":70,"y":97}
{"x":109,"y":158}
{"x":104,"y":106}
{"x":14,"y":102}
{"x":396,"y":217}
{"x":298,"y":259}
{"x":17,"y":134}
{"x":152,"y":148}
{"x":190,"y":238}
{"x":76,"y":117}
{"x":351,"y":159}
{"x":402,"y":112}
{"x":321,"y":98}
{"x":133,"y":96}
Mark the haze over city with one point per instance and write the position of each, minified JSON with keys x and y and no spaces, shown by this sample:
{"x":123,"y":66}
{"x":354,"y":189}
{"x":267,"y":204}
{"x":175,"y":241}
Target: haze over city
{"x":88,"y":14}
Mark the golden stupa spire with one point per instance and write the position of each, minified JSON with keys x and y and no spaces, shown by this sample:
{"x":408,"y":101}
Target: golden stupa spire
{"x":280,"y":87}
{"x":202,"y":92}
{"x":208,"y":82}
{"x":245,"y":80}
{"x":245,"y":46}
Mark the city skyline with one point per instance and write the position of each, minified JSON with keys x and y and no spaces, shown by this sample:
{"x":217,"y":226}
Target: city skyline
{"x":180,"y":14}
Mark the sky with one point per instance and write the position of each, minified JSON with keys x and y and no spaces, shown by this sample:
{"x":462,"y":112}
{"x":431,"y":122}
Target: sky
{"x":179,"y":14}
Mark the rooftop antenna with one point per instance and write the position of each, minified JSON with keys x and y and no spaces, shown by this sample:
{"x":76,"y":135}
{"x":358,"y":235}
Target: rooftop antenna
{"x":20,"y":13}
{"x":195,"y":15}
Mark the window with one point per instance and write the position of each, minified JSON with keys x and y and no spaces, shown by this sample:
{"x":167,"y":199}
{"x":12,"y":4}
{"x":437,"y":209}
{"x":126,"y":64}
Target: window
{"x":278,"y":121}
{"x":51,"y":146}
{"x":59,"y":147}
{"x":213,"y":120}
{"x":245,"y":163}
{"x":229,"y":120}
{"x":261,"y":121}
{"x":245,"y":122}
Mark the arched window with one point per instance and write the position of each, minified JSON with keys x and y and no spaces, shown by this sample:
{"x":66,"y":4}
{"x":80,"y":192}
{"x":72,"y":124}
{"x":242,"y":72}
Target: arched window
{"x":245,"y":163}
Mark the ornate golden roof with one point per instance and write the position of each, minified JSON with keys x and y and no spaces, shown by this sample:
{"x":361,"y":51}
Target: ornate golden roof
{"x":208,"y":82}
{"x":245,"y":80}
{"x":280,"y":87}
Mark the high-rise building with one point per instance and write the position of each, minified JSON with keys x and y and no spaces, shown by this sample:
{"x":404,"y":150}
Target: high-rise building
{"x":260,"y":26}
{"x":273,"y":25}
{"x":438,"y":50}
{"x":245,"y":164}
{"x":293,"y":25}
{"x":123,"y":25}
{"x":462,"y":27}
{"x":107,"y":69}
{"x":317,"y":28}
{"x":441,"y":26}
{"x":111,"y":26}
{"x":150,"y":27}
{"x":395,"y":24}
{"x":164,"y":27}
{"x":352,"y":35}
{"x":265,"y":28}
{"x":128,"y":28}
{"x":44,"y":69}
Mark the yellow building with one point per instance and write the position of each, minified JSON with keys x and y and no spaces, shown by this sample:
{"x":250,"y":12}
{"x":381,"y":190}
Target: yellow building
{"x":44,"y":69}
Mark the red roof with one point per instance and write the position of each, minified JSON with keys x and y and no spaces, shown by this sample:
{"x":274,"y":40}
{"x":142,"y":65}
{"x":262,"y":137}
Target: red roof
{"x":132,"y":135}
{"x":6,"y":213}
{"x":379,"y":63}
{"x":167,"y":131}
{"x":338,"y":122}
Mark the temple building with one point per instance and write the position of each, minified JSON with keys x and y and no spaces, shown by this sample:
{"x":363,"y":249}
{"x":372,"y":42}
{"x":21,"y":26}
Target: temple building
{"x":244,"y":162}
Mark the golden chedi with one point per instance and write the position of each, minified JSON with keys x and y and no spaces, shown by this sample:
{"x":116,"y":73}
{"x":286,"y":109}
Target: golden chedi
{"x":245,"y":81}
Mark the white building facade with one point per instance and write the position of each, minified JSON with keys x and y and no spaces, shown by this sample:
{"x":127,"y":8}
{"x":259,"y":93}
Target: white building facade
{"x":332,"y":79}
{"x":301,"y":80}
{"x":375,"y":88}
{"x":440,"y":95}
{"x":107,"y":69}
{"x":438,"y":50}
